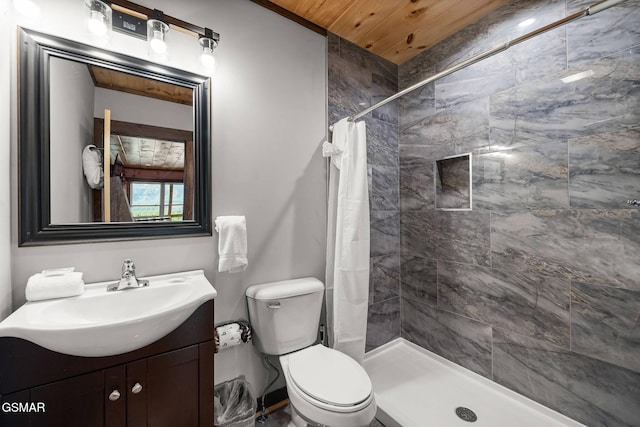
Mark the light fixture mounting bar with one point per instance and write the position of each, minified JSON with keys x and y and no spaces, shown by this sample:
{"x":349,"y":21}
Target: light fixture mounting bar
{"x":143,"y":12}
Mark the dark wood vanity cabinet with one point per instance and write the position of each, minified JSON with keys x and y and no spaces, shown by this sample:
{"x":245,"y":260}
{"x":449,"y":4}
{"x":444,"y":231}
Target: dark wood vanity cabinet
{"x":172,"y":387}
{"x":169,"y":396}
{"x":72,"y":402}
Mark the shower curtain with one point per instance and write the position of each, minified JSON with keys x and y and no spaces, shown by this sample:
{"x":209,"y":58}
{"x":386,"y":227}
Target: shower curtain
{"x":348,"y":239}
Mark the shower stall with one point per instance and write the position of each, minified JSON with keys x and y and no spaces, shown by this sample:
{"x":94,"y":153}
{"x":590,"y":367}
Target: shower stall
{"x":536,"y":286}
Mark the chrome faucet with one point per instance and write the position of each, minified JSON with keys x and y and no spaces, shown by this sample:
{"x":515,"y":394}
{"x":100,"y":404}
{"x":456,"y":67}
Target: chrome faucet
{"x":128,"y":278}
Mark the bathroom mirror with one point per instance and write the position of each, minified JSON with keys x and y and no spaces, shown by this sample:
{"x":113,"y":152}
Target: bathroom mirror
{"x":157,"y":150}
{"x":453,"y":183}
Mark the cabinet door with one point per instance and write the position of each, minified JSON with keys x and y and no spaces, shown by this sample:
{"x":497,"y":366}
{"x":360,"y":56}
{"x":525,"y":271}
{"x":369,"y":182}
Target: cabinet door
{"x":163,"y":391}
{"x":75,"y":402}
{"x":172,"y":389}
{"x":137,"y":399}
{"x":206,"y":350}
{"x":10,"y":415}
{"x":115,"y":397}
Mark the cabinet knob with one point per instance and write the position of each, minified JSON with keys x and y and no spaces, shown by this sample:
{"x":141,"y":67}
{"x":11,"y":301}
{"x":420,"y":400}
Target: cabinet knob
{"x":137,"y":388}
{"x":115,"y":395}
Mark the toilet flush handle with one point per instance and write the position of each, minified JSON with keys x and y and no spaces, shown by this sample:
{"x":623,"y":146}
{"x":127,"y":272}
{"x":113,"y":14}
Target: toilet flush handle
{"x":273,"y":305}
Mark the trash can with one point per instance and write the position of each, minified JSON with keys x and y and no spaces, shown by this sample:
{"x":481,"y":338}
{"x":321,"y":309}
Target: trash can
{"x":234,"y":404}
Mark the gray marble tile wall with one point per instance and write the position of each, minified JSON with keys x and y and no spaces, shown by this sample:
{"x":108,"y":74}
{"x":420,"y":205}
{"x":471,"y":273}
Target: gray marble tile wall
{"x":358,"y":79}
{"x":537,"y":288}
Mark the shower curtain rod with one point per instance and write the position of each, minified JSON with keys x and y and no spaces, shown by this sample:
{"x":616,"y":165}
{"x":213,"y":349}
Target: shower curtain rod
{"x":591,"y":10}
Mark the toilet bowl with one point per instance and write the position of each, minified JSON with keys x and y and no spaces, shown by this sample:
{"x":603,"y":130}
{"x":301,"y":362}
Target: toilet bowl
{"x":328,"y":388}
{"x":325,"y":387}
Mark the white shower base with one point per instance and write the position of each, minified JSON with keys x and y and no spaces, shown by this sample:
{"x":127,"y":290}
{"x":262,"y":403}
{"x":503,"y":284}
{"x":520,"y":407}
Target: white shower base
{"x":416,"y":388}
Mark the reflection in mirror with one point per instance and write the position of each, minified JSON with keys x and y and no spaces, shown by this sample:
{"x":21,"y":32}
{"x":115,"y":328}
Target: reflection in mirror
{"x":149,"y":175}
{"x":159,"y":157}
{"x":140,"y":151}
{"x":109,"y":149}
{"x":453,"y":182}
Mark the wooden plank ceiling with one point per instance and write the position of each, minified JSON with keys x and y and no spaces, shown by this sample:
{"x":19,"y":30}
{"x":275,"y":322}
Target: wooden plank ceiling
{"x":116,"y":80}
{"x":396,"y":30}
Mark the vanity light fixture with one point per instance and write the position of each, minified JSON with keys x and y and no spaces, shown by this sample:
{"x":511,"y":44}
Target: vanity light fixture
{"x":99,"y":20}
{"x":130,"y":18}
{"x":208,"y":43}
{"x":157,"y":32}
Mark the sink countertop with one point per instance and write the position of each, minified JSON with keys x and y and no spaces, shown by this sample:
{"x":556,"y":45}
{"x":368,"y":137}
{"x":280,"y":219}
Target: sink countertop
{"x":101,"y":323}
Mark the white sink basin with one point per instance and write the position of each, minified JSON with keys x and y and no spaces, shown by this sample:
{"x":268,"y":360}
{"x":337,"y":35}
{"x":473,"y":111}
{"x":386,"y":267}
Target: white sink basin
{"x":101,"y":323}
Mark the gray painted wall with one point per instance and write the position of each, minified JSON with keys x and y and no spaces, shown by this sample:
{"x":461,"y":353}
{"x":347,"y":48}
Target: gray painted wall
{"x":127,"y":107}
{"x":268,"y":124}
{"x":6,"y":26}
{"x":71,"y":115}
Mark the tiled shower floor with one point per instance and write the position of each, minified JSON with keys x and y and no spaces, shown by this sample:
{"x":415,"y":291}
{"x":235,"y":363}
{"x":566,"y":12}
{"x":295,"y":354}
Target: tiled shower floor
{"x":416,"y":388}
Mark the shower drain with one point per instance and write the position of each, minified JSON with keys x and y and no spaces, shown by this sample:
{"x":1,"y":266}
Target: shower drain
{"x":466,"y":414}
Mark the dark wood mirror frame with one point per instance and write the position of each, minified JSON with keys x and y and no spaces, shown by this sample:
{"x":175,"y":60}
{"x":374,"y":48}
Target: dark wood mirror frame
{"x":34,"y":190}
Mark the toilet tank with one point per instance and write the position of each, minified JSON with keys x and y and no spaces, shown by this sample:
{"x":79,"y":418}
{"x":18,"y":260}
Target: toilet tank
{"x":285,"y":315}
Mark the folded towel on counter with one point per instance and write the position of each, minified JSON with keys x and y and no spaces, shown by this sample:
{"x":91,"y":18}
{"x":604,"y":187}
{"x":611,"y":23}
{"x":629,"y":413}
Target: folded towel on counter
{"x":42,"y":286}
{"x":232,"y":243}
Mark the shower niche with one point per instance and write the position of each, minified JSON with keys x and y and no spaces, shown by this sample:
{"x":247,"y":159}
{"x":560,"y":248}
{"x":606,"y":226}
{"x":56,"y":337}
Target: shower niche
{"x":452,"y":179}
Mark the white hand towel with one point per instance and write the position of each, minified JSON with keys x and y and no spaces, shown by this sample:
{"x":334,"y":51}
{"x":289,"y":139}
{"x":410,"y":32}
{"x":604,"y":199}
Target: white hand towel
{"x":41,"y":287}
{"x":92,"y":166}
{"x":232,"y":243}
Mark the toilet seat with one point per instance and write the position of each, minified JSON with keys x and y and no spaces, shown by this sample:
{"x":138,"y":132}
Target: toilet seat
{"x":329,"y":379}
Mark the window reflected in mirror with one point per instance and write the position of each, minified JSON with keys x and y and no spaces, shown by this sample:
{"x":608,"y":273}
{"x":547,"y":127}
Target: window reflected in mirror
{"x":157,"y":201}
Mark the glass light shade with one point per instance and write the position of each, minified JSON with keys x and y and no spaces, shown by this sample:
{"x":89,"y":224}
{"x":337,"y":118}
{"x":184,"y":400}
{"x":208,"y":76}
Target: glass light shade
{"x":207,"y":46}
{"x":157,"y":32}
{"x":158,"y":45}
{"x":98,"y":20}
{"x":208,"y":61}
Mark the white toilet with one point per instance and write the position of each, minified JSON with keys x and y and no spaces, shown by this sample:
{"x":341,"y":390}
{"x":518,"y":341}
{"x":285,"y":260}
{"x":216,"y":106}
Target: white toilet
{"x":325,"y":386}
